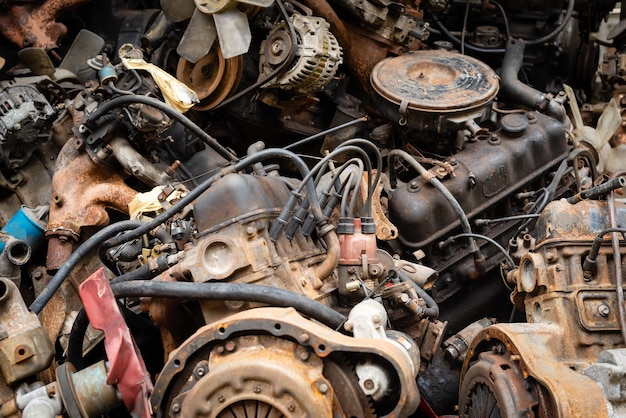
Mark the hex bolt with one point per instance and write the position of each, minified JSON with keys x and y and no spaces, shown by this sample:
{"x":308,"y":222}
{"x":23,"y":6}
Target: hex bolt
{"x":175,"y":408}
{"x":368,"y":384}
{"x":230,"y":346}
{"x":348,"y":326}
{"x":304,"y":337}
{"x":323,"y":388}
{"x":604,"y":310}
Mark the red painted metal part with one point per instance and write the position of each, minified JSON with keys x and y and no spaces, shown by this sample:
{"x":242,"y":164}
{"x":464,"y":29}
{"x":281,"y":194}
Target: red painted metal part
{"x":127,"y":369}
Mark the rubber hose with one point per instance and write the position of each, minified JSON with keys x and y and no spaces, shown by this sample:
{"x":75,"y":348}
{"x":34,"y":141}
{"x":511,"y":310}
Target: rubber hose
{"x":232,"y":291}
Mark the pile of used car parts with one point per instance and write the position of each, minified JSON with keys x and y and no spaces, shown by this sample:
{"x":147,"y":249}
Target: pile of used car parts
{"x":322,"y":208}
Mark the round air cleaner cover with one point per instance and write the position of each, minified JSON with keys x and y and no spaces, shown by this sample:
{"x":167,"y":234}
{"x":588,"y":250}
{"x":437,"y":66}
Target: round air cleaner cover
{"x":422,"y":87}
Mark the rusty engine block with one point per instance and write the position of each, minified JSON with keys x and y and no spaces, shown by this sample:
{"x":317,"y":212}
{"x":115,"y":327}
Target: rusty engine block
{"x":342,"y":208}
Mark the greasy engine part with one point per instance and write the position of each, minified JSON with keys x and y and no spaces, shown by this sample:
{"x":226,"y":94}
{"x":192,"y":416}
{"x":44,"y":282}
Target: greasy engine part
{"x":246,"y":374}
{"x":233,"y":219}
{"x":29,"y":25}
{"x":486,"y":174}
{"x":25,"y":121}
{"x":81,"y":192}
{"x":434,"y":90}
{"x":572,"y":338}
{"x":317,"y":55}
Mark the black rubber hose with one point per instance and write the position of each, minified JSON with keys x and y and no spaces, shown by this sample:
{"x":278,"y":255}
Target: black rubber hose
{"x":512,"y":87}
{"x":140,"y":228}
{"x":75,"y":341}
{"x":559,"y":29}
{"x":90,"y":244}
{"x":120,"y":101}
{"x":202,"y":187}
{"x":232,"y":291}
{"x":147,"y":271}
{"x":474,"y":48}
{"x":140,"y":273}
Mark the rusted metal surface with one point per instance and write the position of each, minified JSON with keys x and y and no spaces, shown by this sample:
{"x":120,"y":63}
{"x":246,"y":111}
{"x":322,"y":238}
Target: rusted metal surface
{"x":571,"y":315}
{"x":261,"y":374}
{"x":234,"y":227}
{"x":318,"y":340}
{"x":496,"y":379}
{"x":81,"y":192}
{"x":25,"y":348}
{"x":535,"y":348}
{"x":554,"y":288}
{"x":420,"y":88}
{"x":213,"y":77}
{"x":36,"y":26}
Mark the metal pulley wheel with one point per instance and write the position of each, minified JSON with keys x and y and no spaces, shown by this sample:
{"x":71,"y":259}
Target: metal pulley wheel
{"x":212,"y":77}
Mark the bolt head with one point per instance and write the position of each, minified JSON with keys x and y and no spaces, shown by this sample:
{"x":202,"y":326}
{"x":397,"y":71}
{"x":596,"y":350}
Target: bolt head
{"x":604,"y":310}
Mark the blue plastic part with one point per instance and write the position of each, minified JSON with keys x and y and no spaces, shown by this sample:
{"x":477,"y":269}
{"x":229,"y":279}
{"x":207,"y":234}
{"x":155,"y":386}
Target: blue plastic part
{"x":106,"y":74}
{"x":24,"y":226}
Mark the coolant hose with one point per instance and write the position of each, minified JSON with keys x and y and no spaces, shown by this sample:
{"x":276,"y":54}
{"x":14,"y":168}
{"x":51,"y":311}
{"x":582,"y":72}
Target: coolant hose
{"x":522,"y":93}
{"x":232,"y":291}
{"x":512,"y":87}
{"x":326,"y":267}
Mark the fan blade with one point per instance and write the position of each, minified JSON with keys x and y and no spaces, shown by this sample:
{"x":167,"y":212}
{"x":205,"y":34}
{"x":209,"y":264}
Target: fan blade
{"x":259,"y":3}
{"x":178,"y":10}
{"x":578,"y":119}
{"x":198,"y":37}
{"x":608,"y":123}
{"x":233,"y":31}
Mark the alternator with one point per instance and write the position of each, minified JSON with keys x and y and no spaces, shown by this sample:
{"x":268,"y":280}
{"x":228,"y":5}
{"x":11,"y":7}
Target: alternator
{"x":317,"y":55}
{"x":25,"y":119}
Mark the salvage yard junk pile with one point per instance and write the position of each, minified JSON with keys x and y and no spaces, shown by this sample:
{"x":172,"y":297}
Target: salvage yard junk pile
{"x":312,"y":208}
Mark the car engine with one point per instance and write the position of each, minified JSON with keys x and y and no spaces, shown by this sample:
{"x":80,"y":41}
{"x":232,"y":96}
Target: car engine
{"x":312,"y":208}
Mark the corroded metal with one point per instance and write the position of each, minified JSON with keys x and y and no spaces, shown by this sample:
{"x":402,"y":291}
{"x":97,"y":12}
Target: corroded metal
{"x":534,"y":347}
{"x":36,"y":26}
{"x":25,"y":348}
{"x":426,"y":85}
{"x":315,"y":339}
{"x":82,"y":191}
{"x":572,"y":314}
{"x":213,"y":77}
{"x":259,"y":372}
